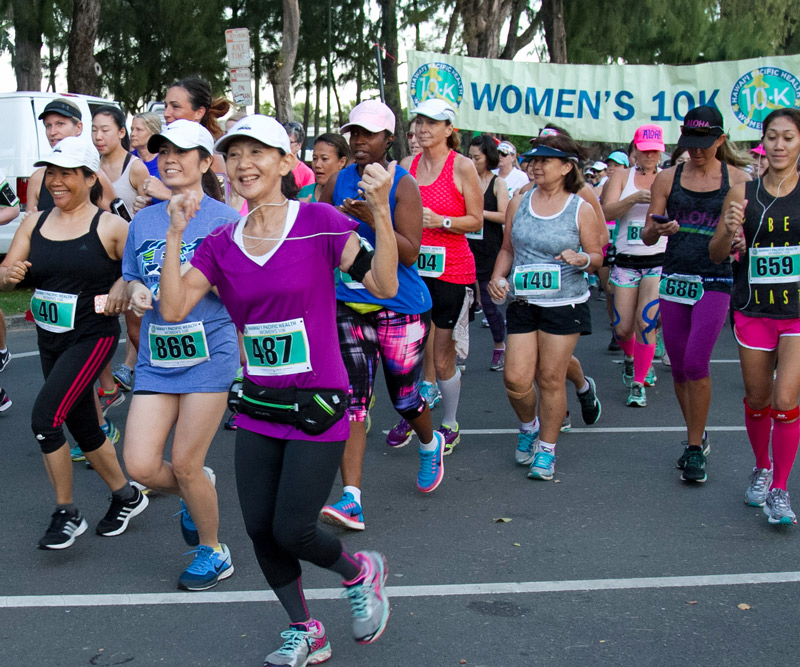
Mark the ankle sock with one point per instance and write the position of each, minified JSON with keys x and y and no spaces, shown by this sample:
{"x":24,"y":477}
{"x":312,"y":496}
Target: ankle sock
{"x":353,"y":491}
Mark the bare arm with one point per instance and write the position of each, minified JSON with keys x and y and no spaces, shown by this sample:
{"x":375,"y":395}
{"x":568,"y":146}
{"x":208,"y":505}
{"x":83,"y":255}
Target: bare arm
{"x":729,"y":225}
{"x":588,"y":194}
{"x":505,"y":258}
{"x":469,"y":185}
{"x":659,"y":194}
{"x":613,"y":206}
{"x":34,"y":186}
{"x":108,"y":192}
{"x":16,"y":264}
{"x":590,"y":244}
{"x":8,"y":213}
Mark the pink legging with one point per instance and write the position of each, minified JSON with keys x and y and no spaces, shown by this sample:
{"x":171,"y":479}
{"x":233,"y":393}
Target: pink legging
{"x":690,"y":333}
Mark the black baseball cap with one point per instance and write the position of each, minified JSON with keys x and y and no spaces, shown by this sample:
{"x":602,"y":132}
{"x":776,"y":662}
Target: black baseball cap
{"x":62,"y":107}
{"x":702,"y":126}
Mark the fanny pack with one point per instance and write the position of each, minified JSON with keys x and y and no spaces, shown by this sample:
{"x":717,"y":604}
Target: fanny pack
{"x":625,"y":261}
{"x":313,"y":411}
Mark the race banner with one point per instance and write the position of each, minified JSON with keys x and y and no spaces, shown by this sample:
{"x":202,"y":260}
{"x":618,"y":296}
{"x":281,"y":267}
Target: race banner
{"x":603,"y":102}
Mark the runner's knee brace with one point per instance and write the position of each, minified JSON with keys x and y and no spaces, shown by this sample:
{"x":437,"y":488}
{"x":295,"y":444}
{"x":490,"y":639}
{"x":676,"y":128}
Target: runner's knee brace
{"x":785,"y":415}
{"x":517,"y":395}
{"x":763,"y":413}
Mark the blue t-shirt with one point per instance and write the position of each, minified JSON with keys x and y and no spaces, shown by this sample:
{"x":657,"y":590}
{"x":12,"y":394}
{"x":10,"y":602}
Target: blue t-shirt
{"x":152,"y":168}
{"x":172,"y":365}
{"x":412,"y":295}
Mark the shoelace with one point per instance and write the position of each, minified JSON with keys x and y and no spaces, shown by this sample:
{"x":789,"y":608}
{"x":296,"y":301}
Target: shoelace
{"x":358,"y":596}
{"x":294,"y":640}
{"x":780,"y":501}
{"x":543,"y":460}
{"x":758,"y":480}
{"x":202,"y":560}
{"x":525,"y":443}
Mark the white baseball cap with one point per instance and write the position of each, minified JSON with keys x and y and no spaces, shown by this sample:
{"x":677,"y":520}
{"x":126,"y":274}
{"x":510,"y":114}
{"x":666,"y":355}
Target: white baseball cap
{"x":265,"y":129}
{"x":506,"y":148}
{"x":186,"y":134}
{"x":372,"y":115}
{"x":599,"y":166}
{"x":436,"y":109}
{"x":71,"y":153}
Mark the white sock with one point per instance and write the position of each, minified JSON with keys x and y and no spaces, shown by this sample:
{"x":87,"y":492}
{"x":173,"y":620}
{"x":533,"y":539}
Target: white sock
{"x":529,"y":427}
{"x":549,"y":447}
{"x":451,"y":392}
{"x":4,"y":350}
{"x":353,"y":491}
{"x":586,"y":387}
{"x":428,"y":446}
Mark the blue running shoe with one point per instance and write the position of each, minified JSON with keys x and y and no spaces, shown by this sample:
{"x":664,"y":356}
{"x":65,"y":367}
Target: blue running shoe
{"x":525,"y":445}
{"x":431,"y":466}
{"x":346,"y":513}
{"x":430,"y":392}
{"x":368,"y":600}
{"x":77,"y":454}
{"x":188,"y":527}
{"x":543,"y":466}
{"x":207,"y":569}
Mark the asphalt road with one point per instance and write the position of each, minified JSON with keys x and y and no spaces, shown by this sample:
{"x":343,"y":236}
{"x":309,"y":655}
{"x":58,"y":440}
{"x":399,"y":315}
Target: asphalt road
{"x":616,"y":562}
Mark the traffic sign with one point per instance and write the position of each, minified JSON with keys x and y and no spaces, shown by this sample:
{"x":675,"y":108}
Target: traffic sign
{"x":241,"y":86}
{"x":237,"y":42}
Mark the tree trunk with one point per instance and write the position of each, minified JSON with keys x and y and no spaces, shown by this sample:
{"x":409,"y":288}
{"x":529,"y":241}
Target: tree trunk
{"x":28,"y":34}
{"x":515,"y":42}
{"x":390,"y":78}
{"x":281,"y":71}
{"x":554,"y":32}
{"x":81,"y":73}
{"x":452,"y":24}
{"x":318,"y":96}
{"x":307,"y":105}
{"x":483,"y":20}
{"x":359,"y":59}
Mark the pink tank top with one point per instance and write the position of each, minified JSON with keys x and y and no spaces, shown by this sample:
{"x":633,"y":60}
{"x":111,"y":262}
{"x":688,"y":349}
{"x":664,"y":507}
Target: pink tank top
{"x":442,"y":197}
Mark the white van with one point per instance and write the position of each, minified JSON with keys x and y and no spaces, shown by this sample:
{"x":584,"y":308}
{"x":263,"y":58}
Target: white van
{"x":23,"y":141}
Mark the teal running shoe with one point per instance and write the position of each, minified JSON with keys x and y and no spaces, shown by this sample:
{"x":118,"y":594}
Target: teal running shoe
{"x":208,"y":568}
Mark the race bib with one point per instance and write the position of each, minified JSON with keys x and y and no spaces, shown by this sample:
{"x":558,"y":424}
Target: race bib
{"x":774,"y":265}
{"x":348,"y":280}
{"x":536,"y":279}
{"x":178,"y":345}
{"x":475,"y":236}
{"x":54,"y":311}
{"x":277,"y":348}
{"x":430,"y":261}
{"x":679,"y":288}
{"x":635,"y":233}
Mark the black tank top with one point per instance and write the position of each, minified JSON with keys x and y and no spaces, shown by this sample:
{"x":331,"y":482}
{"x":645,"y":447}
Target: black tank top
{"x":487,"y":248}
{"x":698,"y":214}
{"x":769,"y":223}
{"x":45,"y":198}
{"x":76,"y":266}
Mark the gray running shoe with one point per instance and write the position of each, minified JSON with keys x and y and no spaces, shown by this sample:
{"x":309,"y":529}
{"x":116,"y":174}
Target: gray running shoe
{"x":301,"y":647}
{"x":368,"y":599}
{"x":124,"y":377}
{"x":566,"y":424}
{"x":627,"y":372}
{"x":526,"y":447}
{"x":778,"y":509}
{"x":756,"y":493}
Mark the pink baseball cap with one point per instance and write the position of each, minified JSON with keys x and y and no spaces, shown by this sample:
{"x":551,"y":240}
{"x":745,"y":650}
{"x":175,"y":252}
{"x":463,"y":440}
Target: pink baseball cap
{"x":649,"y":138}
{"x":759,"y":150}
{"x":372,"y":115}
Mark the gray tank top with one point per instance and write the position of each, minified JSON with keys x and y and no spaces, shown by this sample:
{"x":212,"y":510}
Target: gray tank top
{"x":536,"y":276}
{"x":123,"y":188}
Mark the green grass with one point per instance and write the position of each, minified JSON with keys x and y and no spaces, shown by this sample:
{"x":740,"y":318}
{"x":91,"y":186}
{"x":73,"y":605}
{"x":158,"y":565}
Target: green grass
{"x":15,"y":302}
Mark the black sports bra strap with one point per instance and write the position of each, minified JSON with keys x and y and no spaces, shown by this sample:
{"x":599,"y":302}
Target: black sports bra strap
{"x":41,"y":219}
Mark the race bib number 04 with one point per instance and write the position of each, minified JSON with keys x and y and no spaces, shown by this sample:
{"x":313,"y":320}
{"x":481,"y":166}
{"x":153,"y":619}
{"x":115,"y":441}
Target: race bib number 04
{"x":536,"y":279}
{"x":277,"y":348}
{"x":774,"y":265}
{"x":54,"y":311}
{"x":430,"y":261}
{"x":178,"y":345}
{"x":678,"y":288}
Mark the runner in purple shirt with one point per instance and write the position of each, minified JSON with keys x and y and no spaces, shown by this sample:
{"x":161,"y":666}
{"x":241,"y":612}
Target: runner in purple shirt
{"x":274,"y":273}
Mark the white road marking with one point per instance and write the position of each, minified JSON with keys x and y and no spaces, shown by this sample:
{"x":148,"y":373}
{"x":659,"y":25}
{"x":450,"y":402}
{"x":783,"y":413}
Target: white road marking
{"x":448,"y":590}
{"x":22,"y":355}
{"x":600,"y":429}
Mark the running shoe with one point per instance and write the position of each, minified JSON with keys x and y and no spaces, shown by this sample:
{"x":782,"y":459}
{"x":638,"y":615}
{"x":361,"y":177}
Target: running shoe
{"x":461,"y":364}
{"x":659,"y":344}
{"x":5,"y":357}
{"x":543,"y":466}
{"x":304,"y":644}
{"x":627,"y":372}
{"x":650,"y":378}
{"x":347,"y":513}
{"x":478,"y":309}
{"x":120,"y":513}
{"x":778,"y":509}
{"x":566,"y":423}
{"x":111,"y":431}
{"x":706,"y":448}
{"x":188,"y":527}
{"x":430,"y":392}
{"x":230,"y":423}
{"x":665,"y":360}
{"x":526,"y":443}
{"x":613,"y":345}
{"x":637,"y":397}
{"x":144,"y":489}
{"x":400,"y":435}
{"x":756,"y":493}
{"x":76,"y":454}
{"x":498,"y":360}
{"x":124,"y":377}
{"x":694,"y":470}
{"x":207,"y":569}
{"x":64,"y":528}
{"x":368,"y":600}
{"x":451,"y":436}
{"x":5,"y":401}
{"x":431,"y":465}
{"x":110,"y":399}
{"x":484,"y":323}
{"x":590,"y":404}
{"x":368,"y":419}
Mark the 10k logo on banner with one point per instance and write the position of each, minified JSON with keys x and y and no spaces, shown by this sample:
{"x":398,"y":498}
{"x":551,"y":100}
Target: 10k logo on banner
{"x":438,"y":81}
{"x":761,"y":91}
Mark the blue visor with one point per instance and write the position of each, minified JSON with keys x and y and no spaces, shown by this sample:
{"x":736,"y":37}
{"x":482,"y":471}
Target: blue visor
{"x":549,"y":151}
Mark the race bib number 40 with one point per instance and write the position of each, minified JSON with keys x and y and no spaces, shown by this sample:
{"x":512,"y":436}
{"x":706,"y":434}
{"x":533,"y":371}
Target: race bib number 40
{"x":430,"y":261}
{"x":54,"y":311}
{"x":536,"y":279}
{"x":277,"y":348}
{"x":177,"y":345}
{"x":774,"y":265}
{"x":687,"y":290}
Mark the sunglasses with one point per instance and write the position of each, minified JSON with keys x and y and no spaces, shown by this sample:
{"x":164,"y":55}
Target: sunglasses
{"x":700,"y":131}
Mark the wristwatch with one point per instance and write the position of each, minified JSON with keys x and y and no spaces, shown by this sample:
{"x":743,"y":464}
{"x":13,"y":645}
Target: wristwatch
{"x":447,"y":223}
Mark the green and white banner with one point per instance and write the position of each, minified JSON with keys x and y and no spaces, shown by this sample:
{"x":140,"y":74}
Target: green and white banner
{"x":603,"y":102}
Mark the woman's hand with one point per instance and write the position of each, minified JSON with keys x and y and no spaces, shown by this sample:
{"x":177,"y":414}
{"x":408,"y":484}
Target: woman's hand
{"x":734,"y":217}
{"x":667,"y":228}
{"x":358,"y":208}
{"x":117,"y":300}
{"x":579,"y":259}
{"x":181,"y":209}
{"x":498,"y":288}
{"x":141,"y":299}
{"x":376,"y":183}
{"x":431,"y":220}
{"x":16,"y":272}
{"x":640,"y":197}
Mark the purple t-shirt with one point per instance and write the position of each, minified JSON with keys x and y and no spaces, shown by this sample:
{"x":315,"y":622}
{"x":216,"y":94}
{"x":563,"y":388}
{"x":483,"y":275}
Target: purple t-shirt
{"x":285,"y":304}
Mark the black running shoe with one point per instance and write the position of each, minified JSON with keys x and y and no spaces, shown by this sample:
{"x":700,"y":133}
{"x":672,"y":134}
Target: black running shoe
{"x":120,"y":513}
{"x":614,"y":346}
{"x":590,"y":404}
{"x":64,"y":528}
{"x":5,"y":357}
{"x":695,"y":468}
{"x":681,"y":462}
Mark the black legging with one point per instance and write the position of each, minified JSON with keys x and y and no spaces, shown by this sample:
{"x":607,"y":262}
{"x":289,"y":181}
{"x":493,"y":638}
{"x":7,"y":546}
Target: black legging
{"x":283,"y":485}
